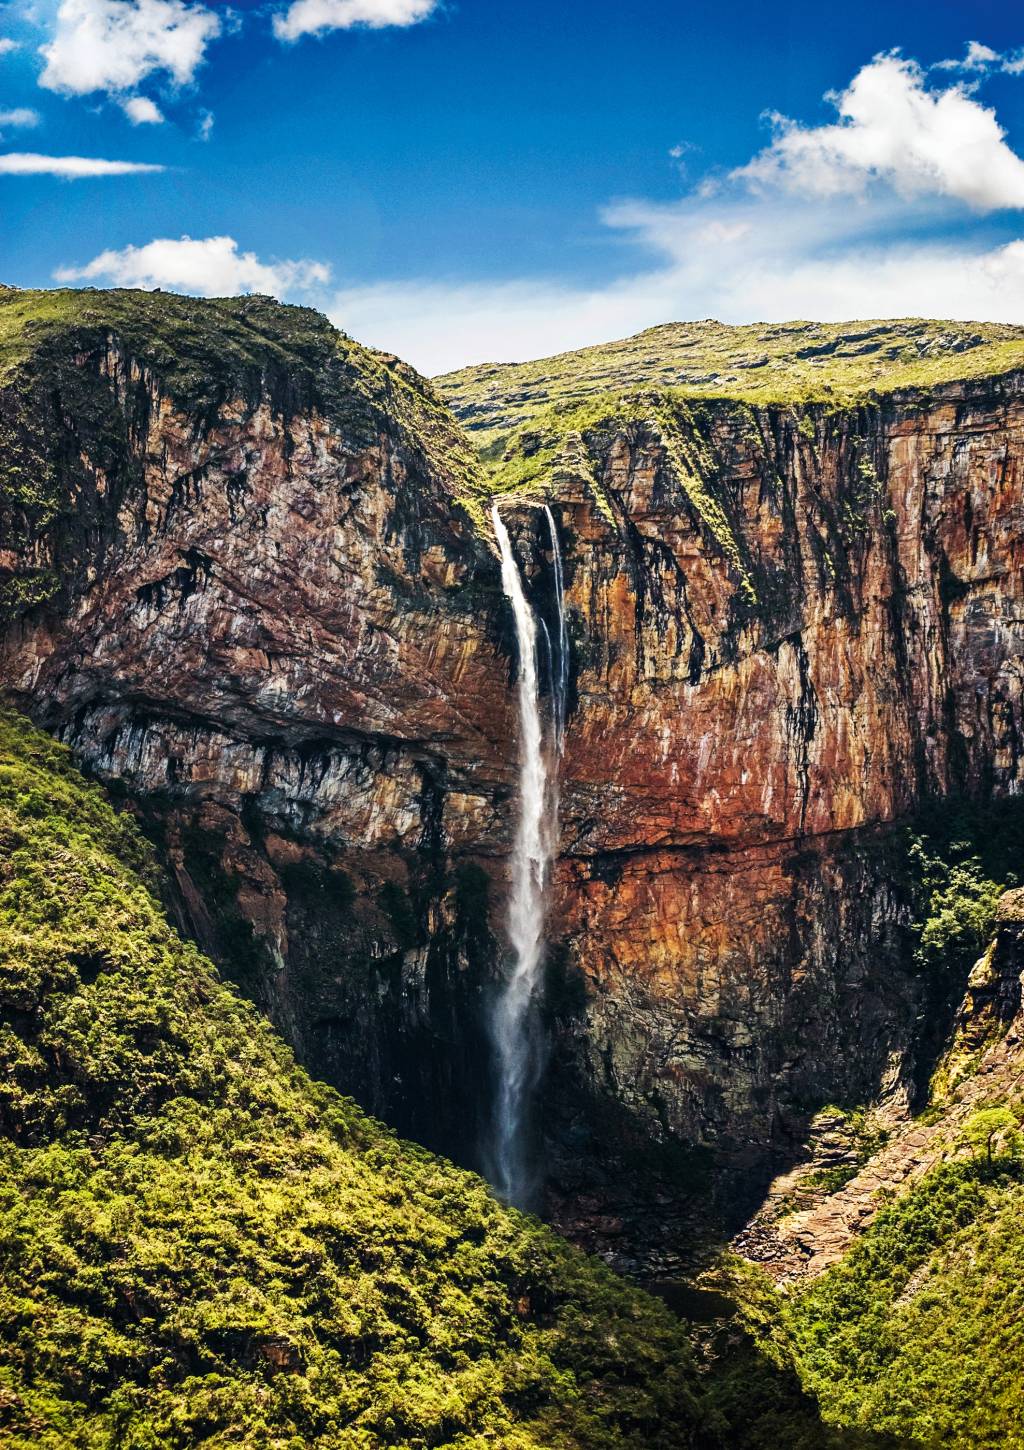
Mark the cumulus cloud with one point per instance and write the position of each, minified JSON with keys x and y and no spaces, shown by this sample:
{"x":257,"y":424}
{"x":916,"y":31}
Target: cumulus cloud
{"x":70,"y":168}
{"x":113,"y":45}
{"x":141,"y":111}
{"x":314,"y":17}
{"x":894,"y":130}
{"x":7,"y":45}
{"x":776,"y":239}
{"x":21,"y":116}
{"x":210,"y":267}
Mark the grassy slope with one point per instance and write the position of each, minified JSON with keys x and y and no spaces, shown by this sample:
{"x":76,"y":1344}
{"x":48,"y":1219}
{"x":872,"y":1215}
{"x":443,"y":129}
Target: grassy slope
{"x":198,"y":1244}
{"x":919,"y":1332}
{"x":539,"y":424}
{"x":758,"y":364}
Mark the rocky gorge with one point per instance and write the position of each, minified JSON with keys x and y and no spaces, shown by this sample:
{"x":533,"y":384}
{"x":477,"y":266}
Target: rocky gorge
{"x":249,"y":579}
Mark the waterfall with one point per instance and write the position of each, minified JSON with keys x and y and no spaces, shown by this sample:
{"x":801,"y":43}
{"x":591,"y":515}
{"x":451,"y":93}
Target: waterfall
{"x":513,"y":1021}
{"x":560,"y":662}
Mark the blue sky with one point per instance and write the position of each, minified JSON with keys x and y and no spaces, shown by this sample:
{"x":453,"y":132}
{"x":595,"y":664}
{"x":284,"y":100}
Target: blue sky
{"x":469,"y":179}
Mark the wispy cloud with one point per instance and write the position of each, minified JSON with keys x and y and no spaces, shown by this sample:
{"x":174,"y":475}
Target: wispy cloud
{"x":7,"y":45}
{"x":209,"y":266}
{"x":70,"y":168}
{"x":981,"y":59}
{"x":114,"y":45}
{"x":314,"y":17}
{"x":20,"y":116}
{"x":873,"y":215}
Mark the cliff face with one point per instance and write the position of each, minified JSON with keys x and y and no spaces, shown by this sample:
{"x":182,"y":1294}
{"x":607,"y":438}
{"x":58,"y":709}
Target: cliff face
{"x":802,"y":1229}
{"x":267,"y":614}
{"x":271,"y":624}
{"x":775,"y":664}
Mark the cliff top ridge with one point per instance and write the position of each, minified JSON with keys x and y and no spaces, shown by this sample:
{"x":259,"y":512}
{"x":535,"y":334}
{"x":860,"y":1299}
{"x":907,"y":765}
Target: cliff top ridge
{"x":790,"y":362}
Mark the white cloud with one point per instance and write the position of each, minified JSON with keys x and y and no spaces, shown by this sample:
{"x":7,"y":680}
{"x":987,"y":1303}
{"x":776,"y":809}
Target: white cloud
{"x":7,"y":45}
{"x":439,"y":327}
{"x":71,"y":168}
{"x":313,"y":17}
{"x":210,"y":266}
{"x":19,"y":116}
{"x":893,"y":130}
{"x":981,"y":59}
{"x":776,"y":240}
{"x":113,"y":45}
{"x":204,"y":129}
{"x":141,"y":111}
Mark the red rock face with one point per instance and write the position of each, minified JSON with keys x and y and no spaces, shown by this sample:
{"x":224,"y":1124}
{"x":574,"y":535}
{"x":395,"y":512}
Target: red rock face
{"x":727,"y":892}
{"x":280,"y":633}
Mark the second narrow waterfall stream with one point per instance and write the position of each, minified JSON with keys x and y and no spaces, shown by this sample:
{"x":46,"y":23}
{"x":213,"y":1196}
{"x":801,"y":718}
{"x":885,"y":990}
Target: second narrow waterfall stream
{"x":513,"y":1023}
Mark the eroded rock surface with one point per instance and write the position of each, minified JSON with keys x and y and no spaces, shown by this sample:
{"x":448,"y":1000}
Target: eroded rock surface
{"x":803,"y":1228}
{"x":273,"y":623}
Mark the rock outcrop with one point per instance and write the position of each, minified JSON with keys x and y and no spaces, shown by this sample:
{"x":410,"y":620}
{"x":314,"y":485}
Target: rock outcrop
{"x":803,"y":1228}
{"x":262,"y":604}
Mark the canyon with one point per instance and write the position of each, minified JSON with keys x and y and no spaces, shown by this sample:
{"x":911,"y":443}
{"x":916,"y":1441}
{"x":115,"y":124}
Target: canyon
{"x":247,"y":575}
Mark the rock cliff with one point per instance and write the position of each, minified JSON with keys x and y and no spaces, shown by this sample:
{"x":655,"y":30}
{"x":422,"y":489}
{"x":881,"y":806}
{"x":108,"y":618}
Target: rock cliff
{"x":246,"y":576}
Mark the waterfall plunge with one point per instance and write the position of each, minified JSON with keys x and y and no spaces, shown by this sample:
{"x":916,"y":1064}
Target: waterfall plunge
{"x":513,"y":1020}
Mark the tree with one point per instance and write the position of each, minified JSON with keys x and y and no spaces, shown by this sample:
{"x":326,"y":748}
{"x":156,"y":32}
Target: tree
{"x":983,"y":1127}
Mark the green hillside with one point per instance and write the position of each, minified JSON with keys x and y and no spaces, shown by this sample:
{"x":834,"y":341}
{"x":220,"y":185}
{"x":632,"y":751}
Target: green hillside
{"x":788,"y":362}
{"x":200,"y":1245}
{"x":540,"y":425}
{"x":919,"y":1332}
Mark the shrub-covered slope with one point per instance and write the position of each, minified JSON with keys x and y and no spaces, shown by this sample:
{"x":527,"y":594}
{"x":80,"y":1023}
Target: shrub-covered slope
{"x":902,"y":1298}
{"x":200,"y":1245}
{"x":919,"y":1332}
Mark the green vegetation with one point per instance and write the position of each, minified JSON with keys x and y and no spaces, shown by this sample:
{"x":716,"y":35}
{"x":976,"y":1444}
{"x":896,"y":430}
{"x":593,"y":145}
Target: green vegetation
{"x":198,"y":1244}
{"x":919,"y":1332}
{"x":837,"y":364}
{"x":957,"y":906}
{"x":540,"y":424}
{"x":988,"y":1127}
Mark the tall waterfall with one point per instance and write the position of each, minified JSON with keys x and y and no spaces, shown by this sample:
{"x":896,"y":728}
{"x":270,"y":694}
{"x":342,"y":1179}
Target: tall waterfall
{"x":513,"y":1020}
{"x":560,"y":661}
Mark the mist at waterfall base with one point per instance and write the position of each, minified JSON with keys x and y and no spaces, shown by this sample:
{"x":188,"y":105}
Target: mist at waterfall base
{"x":514,"y":1019}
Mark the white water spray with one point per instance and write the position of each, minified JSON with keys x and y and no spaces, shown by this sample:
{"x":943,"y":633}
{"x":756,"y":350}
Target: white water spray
{"x":513,"y":1021}
{"x":560,"y":663}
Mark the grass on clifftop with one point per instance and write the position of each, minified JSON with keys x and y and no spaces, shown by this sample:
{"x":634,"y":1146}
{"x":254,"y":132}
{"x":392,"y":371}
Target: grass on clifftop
{"x":794,"y":362}
{"x":541,"y":425}
{"x":215,"y":352}
{"x":200,"y":1245}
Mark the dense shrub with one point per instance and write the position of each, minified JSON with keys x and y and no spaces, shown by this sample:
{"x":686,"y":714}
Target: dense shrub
{"x":200,"y":1245}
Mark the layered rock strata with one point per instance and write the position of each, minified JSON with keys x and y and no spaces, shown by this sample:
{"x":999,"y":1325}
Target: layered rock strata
{"x":270,"y":615}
